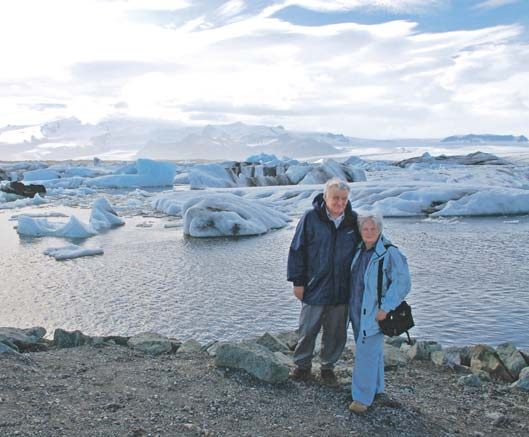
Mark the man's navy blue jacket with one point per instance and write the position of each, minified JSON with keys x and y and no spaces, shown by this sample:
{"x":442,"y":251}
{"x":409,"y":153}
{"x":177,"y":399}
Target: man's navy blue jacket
{"x":320,"y":255}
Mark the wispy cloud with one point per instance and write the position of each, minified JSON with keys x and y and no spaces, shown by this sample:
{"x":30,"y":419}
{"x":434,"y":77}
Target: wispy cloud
{"x":347,"y":5}
{"x":493,"y":4}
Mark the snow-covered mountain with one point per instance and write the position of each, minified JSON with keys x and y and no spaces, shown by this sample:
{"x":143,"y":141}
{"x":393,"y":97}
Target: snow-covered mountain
{"x":473,"y":138}
{"x":128,"y":138}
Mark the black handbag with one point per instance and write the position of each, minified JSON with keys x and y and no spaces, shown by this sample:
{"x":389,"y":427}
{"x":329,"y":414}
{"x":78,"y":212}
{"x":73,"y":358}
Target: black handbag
{"x":397,"y":321}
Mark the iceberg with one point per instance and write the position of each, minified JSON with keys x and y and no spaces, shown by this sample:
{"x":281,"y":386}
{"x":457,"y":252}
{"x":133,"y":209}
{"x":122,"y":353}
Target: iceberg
{"x":71,"y":251}
{"x":34,"y":227}
{"x":218,"y":215}
{"x":103,"y":216}
{"x":149,"y":174}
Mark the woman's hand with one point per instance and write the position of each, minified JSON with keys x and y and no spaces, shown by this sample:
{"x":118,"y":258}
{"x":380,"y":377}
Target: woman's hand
{"x":299,"y":292}
{"x":381,"y":315}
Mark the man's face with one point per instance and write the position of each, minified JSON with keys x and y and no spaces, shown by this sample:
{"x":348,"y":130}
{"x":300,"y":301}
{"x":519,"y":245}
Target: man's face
{"x":336,"y":201}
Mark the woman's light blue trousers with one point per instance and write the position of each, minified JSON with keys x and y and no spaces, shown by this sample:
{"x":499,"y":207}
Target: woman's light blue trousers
{"x":368,"y":372}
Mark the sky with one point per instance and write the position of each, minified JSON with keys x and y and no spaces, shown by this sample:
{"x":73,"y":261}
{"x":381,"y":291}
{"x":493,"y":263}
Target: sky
{"x":363,"y":68}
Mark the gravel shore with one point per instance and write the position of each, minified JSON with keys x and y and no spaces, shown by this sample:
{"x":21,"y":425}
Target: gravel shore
{"x":111,"y":390}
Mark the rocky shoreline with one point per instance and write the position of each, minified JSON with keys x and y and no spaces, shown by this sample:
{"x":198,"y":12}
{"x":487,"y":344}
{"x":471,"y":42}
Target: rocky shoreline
{"x":151,"y":385}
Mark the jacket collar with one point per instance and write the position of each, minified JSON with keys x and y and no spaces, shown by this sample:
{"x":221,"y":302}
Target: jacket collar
{"x":380,"y":245}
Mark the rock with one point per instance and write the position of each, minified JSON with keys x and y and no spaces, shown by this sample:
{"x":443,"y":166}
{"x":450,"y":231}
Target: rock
{"x":523,"y":381}
{"x":152,"y":343}
{"x":511,"y":358}
{"x":465,"y":353}
{"x":24,"y":339}
{"x":8,"y":352}
{"x":398,"y":341}
{"x":254,"y":358}
{"x":393,"y":357}
{"x":284,"y":359}
{"x":117,"y":339}
{"x":4,"y":349}
{"x":521,"y":384}
{"x":6,"y":342}
{"x":290,"y":338}
{"x":449,"y":357}
{"x":272,"y":343}
{"x":212,"y":349}
{"x":469,"y":381}
{"x":485,"y":358}
{"x":484,"y":376}
{"x":423,"y":349}
{"x":20,"y":189}
{"x":524,"y":373}
{"x":525,"y":354}
{"x":66,"y":339}
{"x":190,"y":346}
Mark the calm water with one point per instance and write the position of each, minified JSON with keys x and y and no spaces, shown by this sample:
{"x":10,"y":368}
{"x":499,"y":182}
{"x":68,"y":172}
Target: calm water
{"x":470,"y":282}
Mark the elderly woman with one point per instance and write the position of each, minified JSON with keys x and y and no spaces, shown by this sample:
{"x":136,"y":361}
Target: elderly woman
{"x":364,"y":310}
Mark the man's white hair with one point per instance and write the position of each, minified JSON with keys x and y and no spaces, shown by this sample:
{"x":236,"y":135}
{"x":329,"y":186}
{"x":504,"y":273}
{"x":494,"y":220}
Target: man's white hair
{"x":336,"y":183}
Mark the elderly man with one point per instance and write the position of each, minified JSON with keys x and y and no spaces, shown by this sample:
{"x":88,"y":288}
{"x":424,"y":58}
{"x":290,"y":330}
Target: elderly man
{"x":319,"y":263}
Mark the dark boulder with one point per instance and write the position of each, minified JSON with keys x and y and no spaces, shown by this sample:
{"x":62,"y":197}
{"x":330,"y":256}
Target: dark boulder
{"x":20,"y":189}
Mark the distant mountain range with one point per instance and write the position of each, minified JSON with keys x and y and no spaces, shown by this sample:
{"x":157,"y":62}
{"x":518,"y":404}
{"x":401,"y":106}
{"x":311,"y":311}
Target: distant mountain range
{"x":128,"y":138}
{"x":472,"y":138}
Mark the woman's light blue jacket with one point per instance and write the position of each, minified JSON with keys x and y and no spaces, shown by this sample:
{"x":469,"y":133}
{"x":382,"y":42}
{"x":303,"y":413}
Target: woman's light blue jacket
{"x":396,"y":284}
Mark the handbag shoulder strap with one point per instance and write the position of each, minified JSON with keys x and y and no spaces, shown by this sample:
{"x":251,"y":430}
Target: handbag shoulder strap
{"x":379,"y":282}
{"x":379,"y":279}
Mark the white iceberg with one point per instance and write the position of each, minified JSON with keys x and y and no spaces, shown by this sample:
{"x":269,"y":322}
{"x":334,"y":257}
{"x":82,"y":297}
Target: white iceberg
{"x":217,"y":215}
{"x":40,"y":175}
{"x":12,"y":201}
{"x":33,"y":227}
{"x":211,"y":175}
{"x":103,"y":216}
{"x":71,"y":251}
{"x":496,"y":201}
{"x":149,"y":174}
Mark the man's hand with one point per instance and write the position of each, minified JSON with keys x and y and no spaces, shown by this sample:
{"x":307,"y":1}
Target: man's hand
{"x":381,"y":315}
{"x":299,"y":292}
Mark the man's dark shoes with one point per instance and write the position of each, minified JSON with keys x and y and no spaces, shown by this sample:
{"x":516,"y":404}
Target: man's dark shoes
{"x":329,"y":378}
{"x":300,"y":374}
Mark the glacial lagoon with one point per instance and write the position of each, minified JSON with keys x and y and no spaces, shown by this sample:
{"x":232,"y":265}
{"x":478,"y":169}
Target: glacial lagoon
{"x":470,"y":281}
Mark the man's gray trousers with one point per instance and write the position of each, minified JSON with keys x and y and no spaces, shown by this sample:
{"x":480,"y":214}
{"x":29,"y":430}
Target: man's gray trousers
{"x":333,"y":320}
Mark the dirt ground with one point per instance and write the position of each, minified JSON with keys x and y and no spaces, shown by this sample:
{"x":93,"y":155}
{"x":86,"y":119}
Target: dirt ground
{"x":112,"y":390}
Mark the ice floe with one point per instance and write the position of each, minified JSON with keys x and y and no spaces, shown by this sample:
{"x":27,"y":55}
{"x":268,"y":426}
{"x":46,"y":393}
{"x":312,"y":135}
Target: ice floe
{"x":71,"y":251}
{"x":215,"y":215}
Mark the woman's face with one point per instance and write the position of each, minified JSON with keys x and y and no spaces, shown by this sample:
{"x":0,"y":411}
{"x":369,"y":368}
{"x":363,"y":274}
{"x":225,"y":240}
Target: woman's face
{"x":369,"y":233}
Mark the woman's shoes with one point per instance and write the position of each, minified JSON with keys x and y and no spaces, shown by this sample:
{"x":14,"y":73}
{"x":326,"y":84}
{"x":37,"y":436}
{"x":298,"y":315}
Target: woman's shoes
{"x":357,"y":407}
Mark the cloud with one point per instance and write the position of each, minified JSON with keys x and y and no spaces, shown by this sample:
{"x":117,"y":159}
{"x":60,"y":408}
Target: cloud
{"x":493,"y":4}
{"x":348,"y":5}
{"x":236,"y":61}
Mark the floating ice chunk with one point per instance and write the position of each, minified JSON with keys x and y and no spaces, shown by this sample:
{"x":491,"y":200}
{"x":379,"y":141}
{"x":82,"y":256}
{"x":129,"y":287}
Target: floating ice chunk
{"x":262,"y":158}
{"x":297,"y":172}
{"x":103,"y":216}
{"x":216,"y":215}
{"x":495,"y":201}
{"x":211,"y":175}
{"x":38,"y":215}
{"x":40,"y":175}
{"x":74,"y":228}
{"x":71,"y":251}
{"x":181,"y":179}
{"x":7,"y":201}
{"x":149,"y":174}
